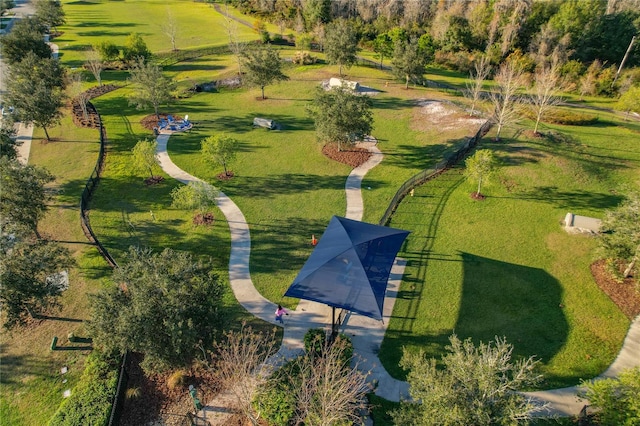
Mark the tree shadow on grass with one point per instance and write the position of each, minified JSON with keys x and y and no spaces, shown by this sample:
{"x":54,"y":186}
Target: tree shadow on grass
{"x":14,"y":368}
{"x":518,"y":302}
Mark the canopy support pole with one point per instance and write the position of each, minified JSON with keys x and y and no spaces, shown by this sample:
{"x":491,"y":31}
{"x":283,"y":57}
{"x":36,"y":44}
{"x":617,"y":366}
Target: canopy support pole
{"x":334,"y":330}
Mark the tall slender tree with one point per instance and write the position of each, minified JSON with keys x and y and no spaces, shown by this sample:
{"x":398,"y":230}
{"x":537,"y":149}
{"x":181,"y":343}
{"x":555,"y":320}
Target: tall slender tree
{"x":341,"y":44}
{"x":620,"y":236}
{"x":505,"y":101}
{"x":151,"y":86}
{"x":545,"y":92}
{"x":482,"y":68}
{"x":408,"y":62}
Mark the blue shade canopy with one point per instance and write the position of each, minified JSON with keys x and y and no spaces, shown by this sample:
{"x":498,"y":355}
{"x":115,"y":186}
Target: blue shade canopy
{"x":350,"y":266}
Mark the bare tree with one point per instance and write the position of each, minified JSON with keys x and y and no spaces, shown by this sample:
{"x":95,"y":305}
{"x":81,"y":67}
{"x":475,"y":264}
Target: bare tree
{"x":331,"y":391}
{"x":545,"y":92}
{"x":170,"y":29}
{"x":588,"y":80}
{"x":241,"y":366}
{"x":95,"y":64}
{"x":235,"y":45}
{"x":77,"y":92}
{"x":506,"y":101}
{"x":474,"y":87}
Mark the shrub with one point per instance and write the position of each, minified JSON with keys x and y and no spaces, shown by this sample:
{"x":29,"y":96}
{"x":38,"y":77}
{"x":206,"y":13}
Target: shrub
{"x":91,"y":399}
{"x":133,"y":393}
{"x":314,"y":341}
{"x":570,"y":118}
{"x":176,"y":379}
{"x":108,"y":51}
{"x":303,"y":58}
{"x":276,"y":402}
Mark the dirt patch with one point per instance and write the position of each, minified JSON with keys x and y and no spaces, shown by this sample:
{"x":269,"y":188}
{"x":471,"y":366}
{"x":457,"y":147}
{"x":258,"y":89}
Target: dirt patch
{"x":444,"y":115}
{"x":476,"y":196}
{"x":353,"y":156}
{"x":623,"y":293}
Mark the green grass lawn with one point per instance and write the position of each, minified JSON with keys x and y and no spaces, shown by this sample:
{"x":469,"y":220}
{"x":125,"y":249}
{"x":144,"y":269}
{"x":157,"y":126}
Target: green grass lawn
{"x":504,"y":266}
{"x":498,"y":267}
{"x":89,"y":23}
{"x":31,"y":385}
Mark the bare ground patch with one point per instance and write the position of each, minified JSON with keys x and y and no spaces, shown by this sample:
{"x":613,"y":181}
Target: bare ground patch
{"x":445,"y":116}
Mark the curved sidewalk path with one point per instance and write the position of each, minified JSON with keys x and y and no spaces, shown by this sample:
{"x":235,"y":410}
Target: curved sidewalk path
{"x":366,"y":333}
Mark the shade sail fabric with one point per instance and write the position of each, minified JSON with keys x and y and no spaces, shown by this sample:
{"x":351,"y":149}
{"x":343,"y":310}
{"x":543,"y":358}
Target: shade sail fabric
{"x":350,"y":266}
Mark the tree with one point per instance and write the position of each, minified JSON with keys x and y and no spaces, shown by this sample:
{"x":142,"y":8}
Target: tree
{"x":144,"y":156}
{"x":151,"y":86}
{"x":341,"y":44}
{"x":317,"y":11}
{"x":220,"y":149}
{"x":262,"y":67}
{"x":78,"y":94}
{"x":27,"y":35}
{"x":108,"y":50}
{"x":545,"y":90}
{"x":505,"y":101}
{"x":27,"y":275}
{"x":242,"y":368}
{"x":477,"y":385}
{"x":135,"y":49}
{"x":95,"y":64}
{"x":616,"y":401}
{"x":170,"y":29}
{"x":620,"y":230}
{"x":196,"y":195}
{"x":8,"y":142}
{"x":341,"y":116}
{"x":474,"y":87}
{"x":35,"y":88}
{"x":408,"y":62}
{"x":480,"y":167}
{"x":23,"y":199}
{"x":383,"y":46}
{"x":235,"y":45}
{"x":50,"y":13}
{"x":630,"y":100}
{"x":163,"y":306}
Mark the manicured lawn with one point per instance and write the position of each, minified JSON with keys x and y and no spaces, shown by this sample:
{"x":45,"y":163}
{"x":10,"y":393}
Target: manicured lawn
{"x":30,"y":379}
{"x":89,"y":23}
{"x":504,"y":266}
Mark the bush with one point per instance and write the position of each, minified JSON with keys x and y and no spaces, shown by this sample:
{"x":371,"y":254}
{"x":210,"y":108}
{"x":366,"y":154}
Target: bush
{"x":314,"y":341}
{"x":276,"y":402}
{"x":570,"y":118}
{"x":177,"y":379}
{"x":91,"y":399}
{"x":303,"y":58}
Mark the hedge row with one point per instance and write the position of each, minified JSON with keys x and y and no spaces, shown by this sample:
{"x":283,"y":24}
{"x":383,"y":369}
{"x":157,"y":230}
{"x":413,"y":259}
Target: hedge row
{"x":91,"y":399}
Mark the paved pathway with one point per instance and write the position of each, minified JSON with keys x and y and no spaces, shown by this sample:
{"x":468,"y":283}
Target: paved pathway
{"x":366,"y":334}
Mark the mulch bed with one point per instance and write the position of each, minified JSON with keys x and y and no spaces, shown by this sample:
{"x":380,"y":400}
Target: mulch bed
{"x":157,"y":401}
{"x":353,"y":156}
{"x":154,"y":180}
{"x":623,"y":293}
{"x":203,"y":219}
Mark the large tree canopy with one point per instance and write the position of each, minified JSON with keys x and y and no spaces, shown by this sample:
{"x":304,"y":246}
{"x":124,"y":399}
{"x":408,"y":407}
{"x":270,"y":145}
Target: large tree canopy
{"x":50,"y":13}
{"x":27,"y":274}
{"x":164,"y":304}
{"x":478,"y":385}
{"x":341,"y":116}
{"x":23,"y":199}
{"x":27,"y":35}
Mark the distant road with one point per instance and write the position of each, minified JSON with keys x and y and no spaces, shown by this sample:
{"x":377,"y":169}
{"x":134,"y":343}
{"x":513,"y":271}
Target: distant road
{"x":23,"y":8}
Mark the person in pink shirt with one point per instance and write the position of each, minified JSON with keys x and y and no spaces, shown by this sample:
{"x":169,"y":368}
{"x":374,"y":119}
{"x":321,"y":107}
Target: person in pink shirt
{"x":279,"y":312}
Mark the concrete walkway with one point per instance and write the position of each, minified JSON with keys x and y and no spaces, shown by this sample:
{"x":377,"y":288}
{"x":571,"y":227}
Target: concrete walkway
{"x":24,"y":135}
{"x":366,"y":334}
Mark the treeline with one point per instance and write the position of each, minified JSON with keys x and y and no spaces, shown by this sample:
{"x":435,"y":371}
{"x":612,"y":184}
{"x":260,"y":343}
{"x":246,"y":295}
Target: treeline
{"x":583,"y":32}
